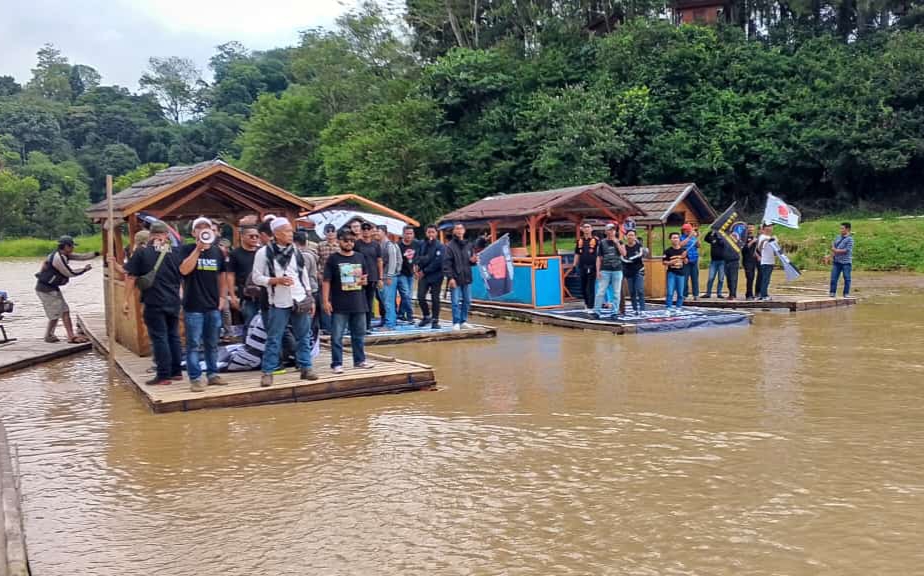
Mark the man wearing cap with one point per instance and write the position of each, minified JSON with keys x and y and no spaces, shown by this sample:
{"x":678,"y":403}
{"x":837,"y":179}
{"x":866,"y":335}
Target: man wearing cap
{"x":161,"y":302}
{"x":371,"y":250}
{"x":689,"y":240}
{"x":610,"y":252}
{"x":56,"y":272}
{"x":326,"y":247}
{"x":204,"y":288}
{"x":240,"y":265}
{"x":280,"y":267}
{"x":585,"y":260}
{"x":767,"y":260}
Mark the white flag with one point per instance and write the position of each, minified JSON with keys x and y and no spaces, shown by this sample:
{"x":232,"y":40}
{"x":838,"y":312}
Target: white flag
{"x":779,"y":212}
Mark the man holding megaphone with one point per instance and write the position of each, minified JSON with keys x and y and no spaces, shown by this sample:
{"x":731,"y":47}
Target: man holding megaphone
{"x":204,"y":290}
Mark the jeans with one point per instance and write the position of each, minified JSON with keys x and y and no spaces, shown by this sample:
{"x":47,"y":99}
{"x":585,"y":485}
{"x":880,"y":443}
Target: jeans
{"x":588,"y":278}
{"x":731,"y":277}
{"x":836,"y":270}
{"x":202,"y":330}
{"x":390,"y":294}
{"x":249,"y":309}
{"x":461,"y":298}
{"x":356,"y":321}
{"x":750,"y":278}
{"x":431,"y":285}
{"x":164,"y":332}
{"x":608,"y":278}
{"x":691,"y":269}
{"x":636,"y":284}
{"x":675,"y":285}
{"x":405,"y":288}
{"x":763,"y":279}
{"x":279,"y":319}
{"x":716,"y":269}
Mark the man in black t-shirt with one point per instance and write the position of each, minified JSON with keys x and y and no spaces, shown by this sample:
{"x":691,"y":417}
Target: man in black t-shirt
{"x":585,"y":261}
{"x":675,"y":260}
{"x":408,"y":247}
{"x":240,"y":265}
{"x":161,"y":302}
{"x":371,"y":249}
{"x":204,"y":291}
{"x":345,"y":274}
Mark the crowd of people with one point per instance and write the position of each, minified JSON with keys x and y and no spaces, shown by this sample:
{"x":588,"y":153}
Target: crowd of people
{"x":284,"y":289}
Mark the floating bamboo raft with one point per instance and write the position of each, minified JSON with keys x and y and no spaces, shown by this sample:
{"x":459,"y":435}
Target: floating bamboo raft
{"x":388,"y":376}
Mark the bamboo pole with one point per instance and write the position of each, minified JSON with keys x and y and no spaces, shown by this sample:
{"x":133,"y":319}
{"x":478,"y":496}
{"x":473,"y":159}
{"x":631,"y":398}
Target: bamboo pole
{"x":111,"y":316}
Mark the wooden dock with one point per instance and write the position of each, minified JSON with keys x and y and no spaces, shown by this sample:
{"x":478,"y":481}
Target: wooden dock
{"x":26,"y":352}
{"x":790,"y":302}
{"x":411,"y":333}
{"x":656,"y":319}
{"x":14,"y":559}
{"x":388,"y":376}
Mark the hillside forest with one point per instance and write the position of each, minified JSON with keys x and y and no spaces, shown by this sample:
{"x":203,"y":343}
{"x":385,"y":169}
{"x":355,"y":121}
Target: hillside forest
{"x":427,"y":105}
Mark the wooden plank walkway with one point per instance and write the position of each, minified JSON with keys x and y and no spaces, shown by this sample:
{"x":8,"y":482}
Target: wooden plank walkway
{"x":26,"y":352}
{"x":14,"y":559}
{"x":388,"y":376}
{"x":791,"y":302}
{"x":407,"y":333}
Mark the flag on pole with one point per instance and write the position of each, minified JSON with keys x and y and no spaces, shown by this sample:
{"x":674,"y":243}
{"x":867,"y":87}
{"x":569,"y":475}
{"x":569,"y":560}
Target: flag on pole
{"x":779,"y":212}
{"x":496,"y":265}
{"x":724,"y":227}
{"x":788,"y":267}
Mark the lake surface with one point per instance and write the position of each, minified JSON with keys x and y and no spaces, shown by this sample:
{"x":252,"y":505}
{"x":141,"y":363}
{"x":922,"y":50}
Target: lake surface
{"x":793,"y":446}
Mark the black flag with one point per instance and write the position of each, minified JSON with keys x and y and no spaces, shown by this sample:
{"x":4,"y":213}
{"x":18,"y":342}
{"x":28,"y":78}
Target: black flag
{"x":496,"y":265}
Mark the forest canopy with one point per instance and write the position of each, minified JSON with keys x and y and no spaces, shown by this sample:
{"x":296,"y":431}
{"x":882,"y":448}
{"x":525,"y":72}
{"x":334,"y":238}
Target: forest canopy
{"x":432,"y":104}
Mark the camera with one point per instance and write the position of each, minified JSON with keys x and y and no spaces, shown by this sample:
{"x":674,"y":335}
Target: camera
{"x":206,"y":236}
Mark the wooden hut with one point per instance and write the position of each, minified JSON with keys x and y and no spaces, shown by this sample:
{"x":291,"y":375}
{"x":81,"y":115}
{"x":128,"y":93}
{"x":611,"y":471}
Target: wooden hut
{"x":213,"y":189}
{"x":666,"y":205}
{"x":539,"y":276}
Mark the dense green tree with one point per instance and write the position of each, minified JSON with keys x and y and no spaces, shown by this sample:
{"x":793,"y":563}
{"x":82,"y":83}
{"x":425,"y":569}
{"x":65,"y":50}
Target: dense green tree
{"x":14,"y":190}
{"x":175,"y":82}
{"x":51,"y":77}
{"x":9,"y":86}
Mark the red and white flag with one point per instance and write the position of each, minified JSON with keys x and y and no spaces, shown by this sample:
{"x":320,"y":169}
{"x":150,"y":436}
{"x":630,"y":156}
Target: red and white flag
{"x":779,"y":212}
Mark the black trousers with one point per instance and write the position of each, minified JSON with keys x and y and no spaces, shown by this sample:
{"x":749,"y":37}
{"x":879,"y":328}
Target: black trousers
{"x":588,"y":279}
{"x":731,"y":278}
{"x":369,"y":291}
{"x":433,"y":287}
{"x":750,"y":278}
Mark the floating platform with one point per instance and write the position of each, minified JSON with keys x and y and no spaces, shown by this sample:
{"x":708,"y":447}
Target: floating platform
{"x":388,"y":376}
{"x":791,"y":302}
{"x":655,"y":318}
{"x":408,"y":332}
{"x":26,"y":352}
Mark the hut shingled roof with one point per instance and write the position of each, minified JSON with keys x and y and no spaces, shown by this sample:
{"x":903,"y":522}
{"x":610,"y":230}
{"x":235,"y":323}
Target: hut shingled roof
{"x":660,"y":201}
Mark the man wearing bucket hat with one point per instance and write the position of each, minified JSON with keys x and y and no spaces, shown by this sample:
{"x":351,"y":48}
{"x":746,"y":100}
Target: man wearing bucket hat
{"x":204,"y":290}
{"x":56,"y":272}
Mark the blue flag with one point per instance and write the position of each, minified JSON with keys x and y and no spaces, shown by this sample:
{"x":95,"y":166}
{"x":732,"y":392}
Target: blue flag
{"x":496,"y":266}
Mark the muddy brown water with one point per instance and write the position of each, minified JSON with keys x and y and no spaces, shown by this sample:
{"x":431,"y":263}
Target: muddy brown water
{"x":793,"y":446}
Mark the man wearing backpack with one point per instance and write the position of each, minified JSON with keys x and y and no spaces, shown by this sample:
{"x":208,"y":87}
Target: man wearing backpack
{"x":56,"y":272}
{"x":155,"y":269}
{"x":280,"y":267}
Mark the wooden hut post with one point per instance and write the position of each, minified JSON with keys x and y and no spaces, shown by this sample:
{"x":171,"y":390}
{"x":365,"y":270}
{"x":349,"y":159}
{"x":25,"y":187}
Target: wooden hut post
{"x":110,"y":304}
{"x":541,"y":246}
{"x":493,"y":225}
{"x":533,"y":221}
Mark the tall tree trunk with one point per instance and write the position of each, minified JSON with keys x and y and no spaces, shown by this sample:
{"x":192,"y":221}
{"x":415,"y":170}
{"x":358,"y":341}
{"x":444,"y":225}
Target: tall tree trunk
{"x":454,"y":23}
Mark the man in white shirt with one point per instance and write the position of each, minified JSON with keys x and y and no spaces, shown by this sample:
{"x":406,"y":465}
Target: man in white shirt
{"x":281,"y":269}
{"x":767,"y":260}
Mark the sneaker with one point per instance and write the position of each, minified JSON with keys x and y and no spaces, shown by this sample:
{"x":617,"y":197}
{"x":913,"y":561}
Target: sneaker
{"x":423,"y":322}
{"x":337,"y":369}
{"x":707,"y":296}
{"x":177,"y":377}
{"x":266,"y":380}
{"x":435,"y":325}
{"x":364,"y":365}
{"x":832,"y":295}
{"x":456,"y":327}
{"x":196,"y":386}
{"x":158,"y":382}
{"x":730,"y":298}
{"x":308,"y":374}
{"x":216,"y":381}
{"x":467,"y":326}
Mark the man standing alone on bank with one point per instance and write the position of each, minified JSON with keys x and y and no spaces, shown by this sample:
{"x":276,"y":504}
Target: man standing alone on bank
{"x":280,"y":268}
{"x":202,"y":266}
{"x":159,"y":265}
{"x":585,"y":260}
{"x":56,"y":272}
{"x":842,"y":250}
{"x":429,"y":263}
{"x":457,"y":267}
{"x":344,"y":275}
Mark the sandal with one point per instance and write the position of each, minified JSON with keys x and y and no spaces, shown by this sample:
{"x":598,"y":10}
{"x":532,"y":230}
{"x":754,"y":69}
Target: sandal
{"x":77,"y":340}
{"x":52,"y":339}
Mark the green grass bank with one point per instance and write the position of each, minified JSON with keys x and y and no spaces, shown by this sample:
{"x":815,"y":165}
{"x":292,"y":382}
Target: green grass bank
{"x":38,"y":247}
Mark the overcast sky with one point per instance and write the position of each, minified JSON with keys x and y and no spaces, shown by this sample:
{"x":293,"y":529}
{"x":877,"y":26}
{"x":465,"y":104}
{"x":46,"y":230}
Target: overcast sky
{"x":118,"y":36}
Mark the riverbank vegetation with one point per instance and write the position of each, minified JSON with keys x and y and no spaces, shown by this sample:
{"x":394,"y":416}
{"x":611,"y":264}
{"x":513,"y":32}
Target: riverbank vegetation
{"x":426,"y":106}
